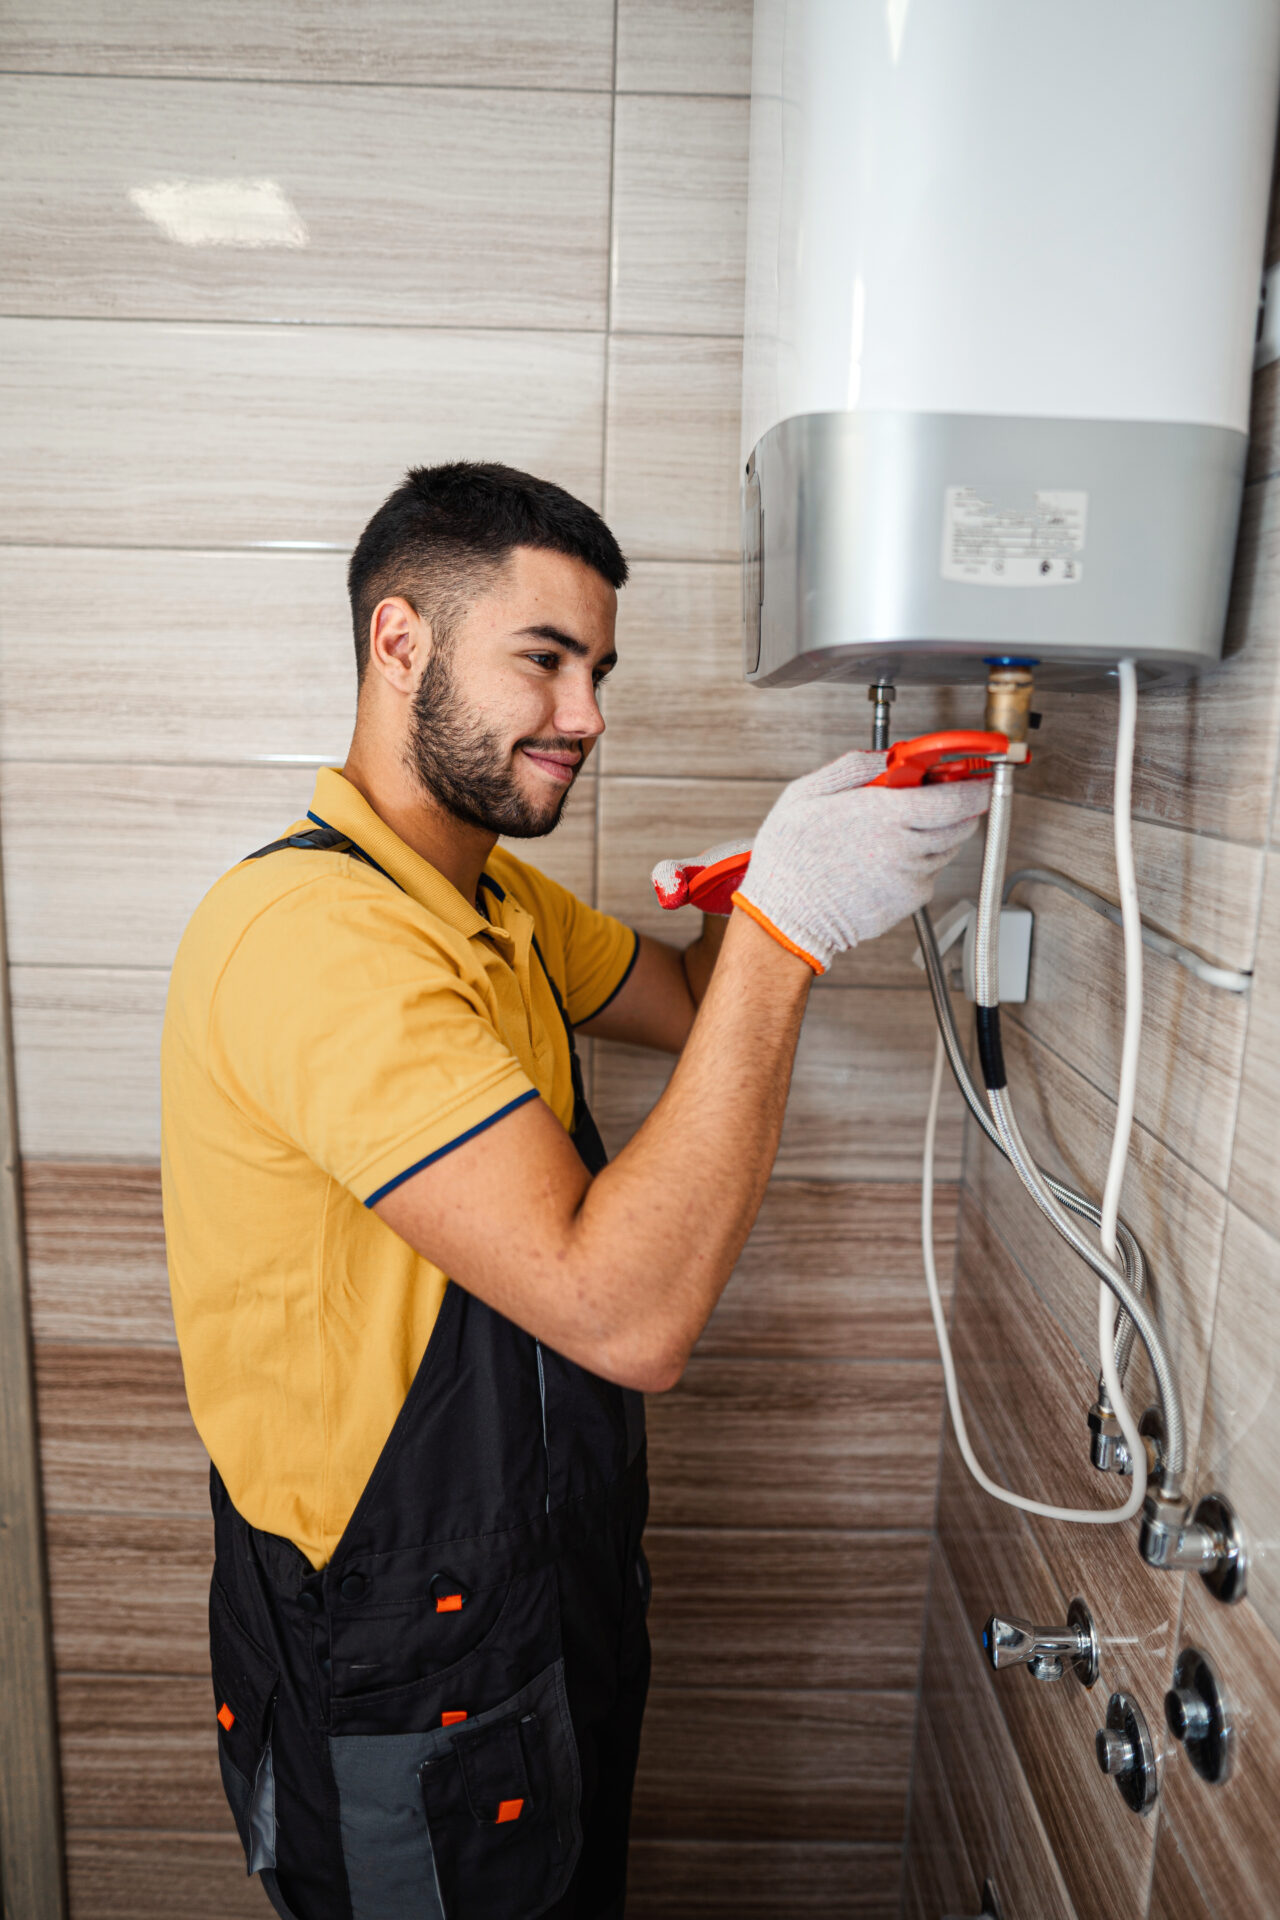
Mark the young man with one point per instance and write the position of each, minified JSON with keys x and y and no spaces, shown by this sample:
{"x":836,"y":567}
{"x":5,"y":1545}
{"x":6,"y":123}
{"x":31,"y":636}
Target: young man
{"x":416,"y":1308}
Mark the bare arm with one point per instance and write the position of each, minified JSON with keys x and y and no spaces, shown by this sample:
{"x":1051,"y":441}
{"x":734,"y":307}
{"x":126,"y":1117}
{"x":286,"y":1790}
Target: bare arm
{"x":664,"y":990}
{"x":621,"y":1272}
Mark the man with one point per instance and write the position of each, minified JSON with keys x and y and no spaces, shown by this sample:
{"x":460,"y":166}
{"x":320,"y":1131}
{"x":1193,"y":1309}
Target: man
{"x":416,"y":1308}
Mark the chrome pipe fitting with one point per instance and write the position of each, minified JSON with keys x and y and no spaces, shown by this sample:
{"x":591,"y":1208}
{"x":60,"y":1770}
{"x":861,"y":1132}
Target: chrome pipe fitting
{"x":1048,"y":1651}
{"x":1208,"y":1542}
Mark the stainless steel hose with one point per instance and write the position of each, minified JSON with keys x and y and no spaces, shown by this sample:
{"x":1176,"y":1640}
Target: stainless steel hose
{"x":1131,"y":1255}
{"x":986,"y":986}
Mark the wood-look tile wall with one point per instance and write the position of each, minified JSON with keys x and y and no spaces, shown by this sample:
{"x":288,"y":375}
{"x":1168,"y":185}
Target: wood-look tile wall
{"x":1006,"y":1782}
{"x":491,"y":229}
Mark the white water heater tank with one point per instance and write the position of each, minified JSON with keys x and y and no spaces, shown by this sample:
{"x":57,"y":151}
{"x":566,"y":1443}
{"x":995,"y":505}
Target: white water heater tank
{"x":1003,"y":271}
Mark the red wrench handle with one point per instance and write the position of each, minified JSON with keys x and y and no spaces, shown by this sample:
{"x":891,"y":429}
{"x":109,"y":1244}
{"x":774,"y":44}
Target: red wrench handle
{"x":935,"y":757}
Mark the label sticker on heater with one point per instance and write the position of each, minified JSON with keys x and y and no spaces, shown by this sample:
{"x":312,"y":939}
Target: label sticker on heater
{"x":988,"y":544}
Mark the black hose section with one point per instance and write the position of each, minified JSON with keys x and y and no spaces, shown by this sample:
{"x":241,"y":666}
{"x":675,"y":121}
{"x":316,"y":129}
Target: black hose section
{"x":1131,"y":1254}
{"x":990,"y":1051}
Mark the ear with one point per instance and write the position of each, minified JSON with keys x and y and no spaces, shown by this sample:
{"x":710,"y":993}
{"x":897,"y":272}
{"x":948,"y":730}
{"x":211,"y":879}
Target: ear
{"x":399,"y":641}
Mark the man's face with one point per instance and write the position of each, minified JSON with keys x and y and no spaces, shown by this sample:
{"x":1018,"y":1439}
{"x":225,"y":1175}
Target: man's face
{"x":506,"y":712}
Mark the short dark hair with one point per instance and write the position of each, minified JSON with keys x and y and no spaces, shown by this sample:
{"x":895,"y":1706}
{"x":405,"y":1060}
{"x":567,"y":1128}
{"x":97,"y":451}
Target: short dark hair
{"x":446,"y":531}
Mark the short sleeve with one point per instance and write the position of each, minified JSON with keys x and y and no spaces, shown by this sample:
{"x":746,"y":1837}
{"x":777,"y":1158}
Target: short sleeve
{"x":340,"y":1025}
{"x":591,"y":952}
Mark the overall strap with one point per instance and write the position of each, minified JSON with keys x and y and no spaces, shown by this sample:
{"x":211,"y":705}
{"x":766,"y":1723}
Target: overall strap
{"x":585,"y":1134}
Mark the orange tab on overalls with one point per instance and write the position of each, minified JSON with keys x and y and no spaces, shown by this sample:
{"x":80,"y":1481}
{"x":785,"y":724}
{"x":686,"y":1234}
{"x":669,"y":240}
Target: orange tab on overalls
{"x":509,"y":1810}
{"x":451,"y":1719}
{"x":449,"y":1603}
{"x":226,"y":1719}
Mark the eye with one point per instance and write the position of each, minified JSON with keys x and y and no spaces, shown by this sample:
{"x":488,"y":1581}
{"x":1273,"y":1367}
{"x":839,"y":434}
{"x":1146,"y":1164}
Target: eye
{"x":549,"y":660}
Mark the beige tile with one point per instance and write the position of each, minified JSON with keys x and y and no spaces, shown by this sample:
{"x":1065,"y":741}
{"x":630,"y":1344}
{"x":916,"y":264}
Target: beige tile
{"x":832,"y":1270}
{"x":1230,"y":1833}
{"x":174,"y":656}
{"x":679,"y":214}
{"x":95,"y":1254}
{"x":671,"y":486}
{"x":86,"y":1044}
{"x":104,"y":865}
{"x":667,"y":46}
{"x":1240,"y":1442}
{"x":858,"y":1098}
{"x":1255,"y":1165}
{"x":1192,"y":1034}
{"x":1206,"y":753}
{"x":202,"y":200}
{"x":559,"y":43}
{"x":677,"y":702}
{"x":719,"y":1594}
{"x":833,"y":1766}
{"x":796,"y":1443}
{"x":1177,"y":1216}
{"x":643,"y":821}
{"x":759,"y":1879}
{"x":1204,"y":892}
{"x":252,"y":436}
{"x":1003,"y":1831}
{"x":1102,"y":1849}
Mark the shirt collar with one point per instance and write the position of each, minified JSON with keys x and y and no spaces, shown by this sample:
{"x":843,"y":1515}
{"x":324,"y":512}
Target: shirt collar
{"x":336,"y":803}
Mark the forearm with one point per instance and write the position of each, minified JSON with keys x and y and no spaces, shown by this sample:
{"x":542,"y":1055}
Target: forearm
{"x":699,"y":958}
{"x":656,"y":1235}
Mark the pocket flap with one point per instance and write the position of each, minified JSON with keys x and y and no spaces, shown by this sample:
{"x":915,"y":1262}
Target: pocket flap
{"x":245,"y":1679}
{"x":494,"y":1774}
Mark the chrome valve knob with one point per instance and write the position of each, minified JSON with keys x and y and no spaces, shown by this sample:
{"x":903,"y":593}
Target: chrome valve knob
{"x":1048,"y":1651}
{"x":1125,"y":1753}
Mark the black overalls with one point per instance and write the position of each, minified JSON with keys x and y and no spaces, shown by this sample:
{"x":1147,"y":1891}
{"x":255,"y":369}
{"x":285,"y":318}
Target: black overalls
{"x":444,"y":1720}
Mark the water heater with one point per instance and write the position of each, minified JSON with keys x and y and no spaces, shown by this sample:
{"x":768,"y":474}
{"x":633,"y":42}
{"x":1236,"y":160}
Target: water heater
{"x":1003,"y":271}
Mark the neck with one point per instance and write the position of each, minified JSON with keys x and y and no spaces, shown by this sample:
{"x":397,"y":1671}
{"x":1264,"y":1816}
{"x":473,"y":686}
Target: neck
{"x":453,"y":848}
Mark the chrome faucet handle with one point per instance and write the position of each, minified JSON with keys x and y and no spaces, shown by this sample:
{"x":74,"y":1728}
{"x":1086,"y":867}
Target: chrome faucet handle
{"x":1048,"y":1651}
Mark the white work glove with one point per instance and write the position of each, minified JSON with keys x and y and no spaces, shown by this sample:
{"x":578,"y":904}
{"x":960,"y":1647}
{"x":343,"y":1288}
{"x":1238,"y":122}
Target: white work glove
{"x":675,"y":880}
{"x":837,"y":861}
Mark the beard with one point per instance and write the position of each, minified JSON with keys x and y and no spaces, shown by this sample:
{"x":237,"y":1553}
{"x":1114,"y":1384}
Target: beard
{"x":465,"y":765}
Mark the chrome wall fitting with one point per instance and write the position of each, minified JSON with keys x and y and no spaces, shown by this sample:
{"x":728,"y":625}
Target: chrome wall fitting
{"x":1210,"y":1541}
{"x":1196,"y":1714}
{"x":1126,"y":1753}
{"x":1048,"y":1651}
{"x":1227,"y":1575}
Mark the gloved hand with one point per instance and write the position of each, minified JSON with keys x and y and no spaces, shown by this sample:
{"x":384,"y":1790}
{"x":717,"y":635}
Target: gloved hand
{"x":837,"y":861}
{"x":672,"y":879}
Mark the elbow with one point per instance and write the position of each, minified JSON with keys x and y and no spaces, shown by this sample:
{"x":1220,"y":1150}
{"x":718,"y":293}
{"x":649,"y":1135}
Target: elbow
{"x":651,"y":1364}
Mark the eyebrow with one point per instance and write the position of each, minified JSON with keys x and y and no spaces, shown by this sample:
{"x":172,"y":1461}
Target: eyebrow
{"x":568,"y":642}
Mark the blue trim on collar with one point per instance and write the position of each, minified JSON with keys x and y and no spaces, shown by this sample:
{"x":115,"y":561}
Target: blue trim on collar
{"x":487,"y":880}
{"x":470,"y":1134}
{"x":356,"y":848}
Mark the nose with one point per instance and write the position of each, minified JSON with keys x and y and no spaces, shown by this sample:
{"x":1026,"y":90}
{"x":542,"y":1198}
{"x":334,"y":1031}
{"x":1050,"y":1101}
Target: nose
{"x":578,"y":709}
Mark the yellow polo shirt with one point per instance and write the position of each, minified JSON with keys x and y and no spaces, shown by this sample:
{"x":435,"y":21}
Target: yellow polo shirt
{"x":331,"y":1028}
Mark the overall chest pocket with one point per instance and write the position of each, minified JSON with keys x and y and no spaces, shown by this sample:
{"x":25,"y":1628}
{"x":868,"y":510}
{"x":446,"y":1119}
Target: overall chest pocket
{"x":502,"y":1806}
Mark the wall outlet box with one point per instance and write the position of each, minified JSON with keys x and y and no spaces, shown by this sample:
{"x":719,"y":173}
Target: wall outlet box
{"x":1014,"y":962}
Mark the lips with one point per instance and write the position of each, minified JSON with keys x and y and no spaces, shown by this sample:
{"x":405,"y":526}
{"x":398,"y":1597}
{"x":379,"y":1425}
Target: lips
{"x":558,"y":766}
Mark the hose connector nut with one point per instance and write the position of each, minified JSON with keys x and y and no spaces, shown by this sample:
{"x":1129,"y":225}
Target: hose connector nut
{"x":1008,"y":710}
